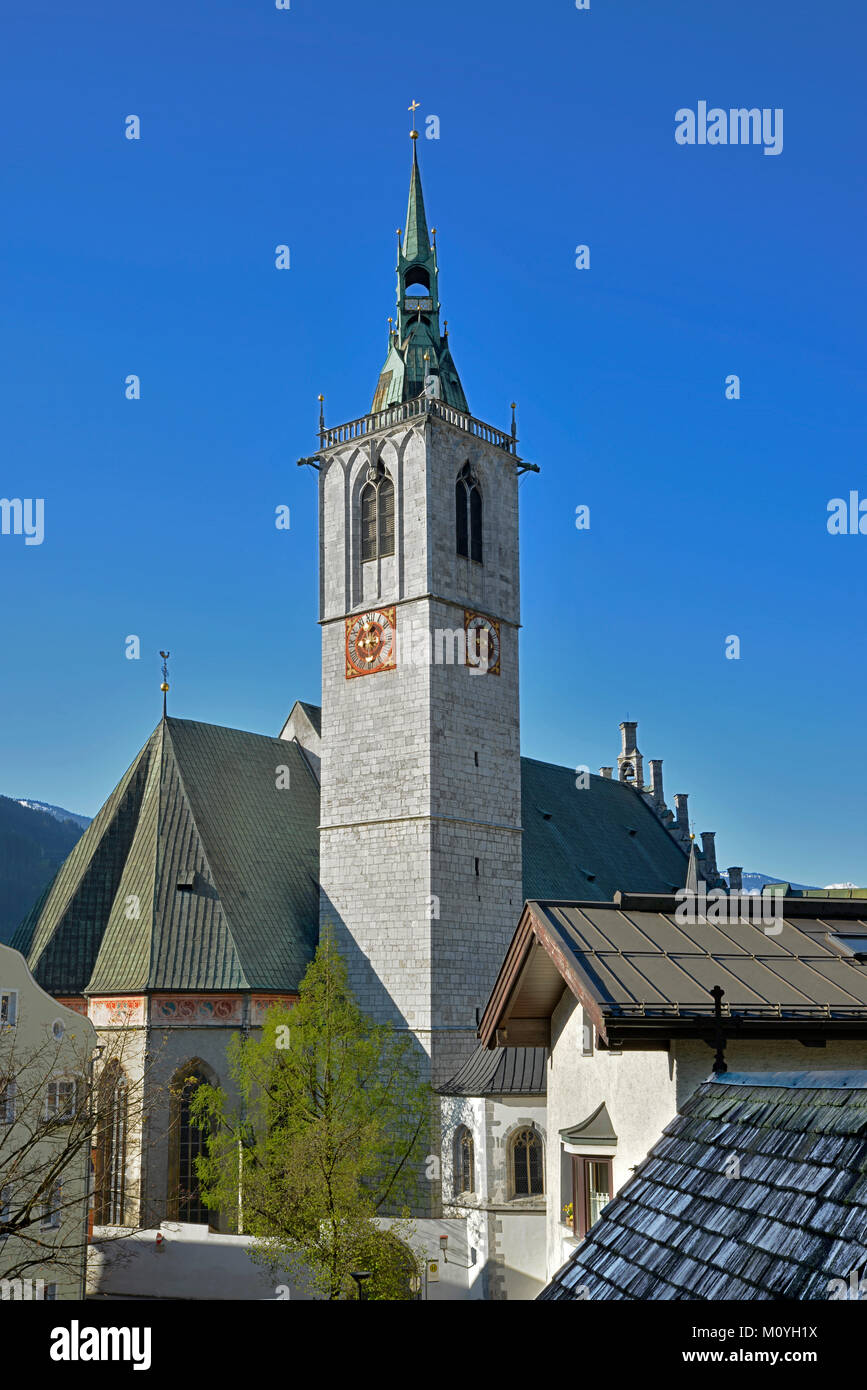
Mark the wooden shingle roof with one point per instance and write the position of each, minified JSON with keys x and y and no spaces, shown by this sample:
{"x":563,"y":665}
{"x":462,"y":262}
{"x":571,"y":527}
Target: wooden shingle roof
{"x":756,"y":1190}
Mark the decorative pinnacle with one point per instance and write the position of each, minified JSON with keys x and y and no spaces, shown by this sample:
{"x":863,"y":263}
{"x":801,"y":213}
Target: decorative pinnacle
{"x":321,"y":413}
{"x":165,"y":685}
{"x":514,"y":420}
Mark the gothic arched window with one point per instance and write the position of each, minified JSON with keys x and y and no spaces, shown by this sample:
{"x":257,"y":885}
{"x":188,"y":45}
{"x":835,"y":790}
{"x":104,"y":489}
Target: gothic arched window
{"x":464,"y":1161}
{"x":528,"y":1177}
{"x":468,"y":515}
{"x":377,"y":514}
{"x":188,"y":1141}
{"x":111,"y":1138}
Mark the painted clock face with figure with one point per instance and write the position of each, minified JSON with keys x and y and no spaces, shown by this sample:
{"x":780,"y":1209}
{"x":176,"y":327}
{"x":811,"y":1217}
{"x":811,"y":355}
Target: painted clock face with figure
{"x":370,"y":642}
{"x":483,"y":642}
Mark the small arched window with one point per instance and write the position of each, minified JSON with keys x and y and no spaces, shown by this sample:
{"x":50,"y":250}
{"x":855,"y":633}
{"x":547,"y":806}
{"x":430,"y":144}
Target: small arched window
{"x":464,"y":1161}
{"x":528,"y":1175}
{"x":111,"y":1146}
{"x":468,"y":515}
{"x":377,"y":514}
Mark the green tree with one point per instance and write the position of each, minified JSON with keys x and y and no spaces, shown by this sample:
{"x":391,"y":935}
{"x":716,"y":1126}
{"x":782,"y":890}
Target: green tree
{"x":327,"y":1134}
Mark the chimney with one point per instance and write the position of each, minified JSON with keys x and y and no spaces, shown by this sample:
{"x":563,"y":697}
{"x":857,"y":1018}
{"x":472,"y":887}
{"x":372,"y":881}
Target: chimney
{"x":628,"y":731}
{"x":656,"y":781}
{"x":605,"y":771}
{"x":736,"y":879}
{"x":708,"y":852}
{"x":681,"y":811}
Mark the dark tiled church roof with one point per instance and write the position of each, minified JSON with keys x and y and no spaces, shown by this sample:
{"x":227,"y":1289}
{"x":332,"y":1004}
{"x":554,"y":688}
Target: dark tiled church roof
{"x":590,"y":843}
{"x":198,"y":873}
{"x":757,"y":1190}
{"x":500,"y":1071}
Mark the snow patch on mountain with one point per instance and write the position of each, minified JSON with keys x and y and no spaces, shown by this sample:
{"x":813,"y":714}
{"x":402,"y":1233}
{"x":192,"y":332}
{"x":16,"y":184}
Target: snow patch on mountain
{"x":56,"y":811}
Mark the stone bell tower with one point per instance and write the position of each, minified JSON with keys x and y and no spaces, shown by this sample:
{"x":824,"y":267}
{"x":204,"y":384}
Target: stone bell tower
{"x":419,"y":608}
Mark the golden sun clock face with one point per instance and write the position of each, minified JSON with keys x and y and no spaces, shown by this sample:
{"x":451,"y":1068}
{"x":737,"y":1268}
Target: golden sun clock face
{"x":483,"y":642}
{"x":370,"y":642}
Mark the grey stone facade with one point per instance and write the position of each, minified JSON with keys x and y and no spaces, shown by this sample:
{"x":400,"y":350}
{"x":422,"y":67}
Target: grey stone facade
{"x":420,"y":810}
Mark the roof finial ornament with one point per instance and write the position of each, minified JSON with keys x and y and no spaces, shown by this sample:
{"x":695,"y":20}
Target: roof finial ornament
{"x":514,"y":420}
{"x":165,"y":685}
{"x":321,"y":418}
{"x":413,"y":107}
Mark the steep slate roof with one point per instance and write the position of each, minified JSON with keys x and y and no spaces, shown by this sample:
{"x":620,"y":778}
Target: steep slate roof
{"x":198,"y":873}
{"x":314,"y":714}
{"x":594,"y":841}
{"x":589,"y":842}
{"x":642,"y":974}
{"x":199,"y":806}
{"x":507,"y":1071}
{"x":794,"y":1219}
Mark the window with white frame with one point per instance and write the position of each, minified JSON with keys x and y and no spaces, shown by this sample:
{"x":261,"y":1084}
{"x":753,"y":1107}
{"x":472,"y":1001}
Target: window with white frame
{"x":8,"y":1007}
{"x":60,"y":1100}
{"x":7,"y":1100}
{"x":51,"y":1209}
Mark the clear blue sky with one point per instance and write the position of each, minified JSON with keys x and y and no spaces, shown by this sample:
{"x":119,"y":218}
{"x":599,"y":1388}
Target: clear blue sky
{"x":708,"y":516}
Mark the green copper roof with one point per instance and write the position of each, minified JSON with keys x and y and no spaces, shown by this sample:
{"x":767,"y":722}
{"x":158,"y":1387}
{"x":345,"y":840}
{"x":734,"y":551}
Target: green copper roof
{"x":418,"y":356}
{"x":416,"y":242}
{"x":596,"y":1130}
{"x":198,"y":873}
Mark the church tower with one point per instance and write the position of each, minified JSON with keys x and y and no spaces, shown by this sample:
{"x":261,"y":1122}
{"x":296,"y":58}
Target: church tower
{"x":420,"y":836}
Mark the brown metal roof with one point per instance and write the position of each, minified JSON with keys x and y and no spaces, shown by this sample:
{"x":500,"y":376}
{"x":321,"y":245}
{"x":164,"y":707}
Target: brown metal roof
{"x":635,"y":968}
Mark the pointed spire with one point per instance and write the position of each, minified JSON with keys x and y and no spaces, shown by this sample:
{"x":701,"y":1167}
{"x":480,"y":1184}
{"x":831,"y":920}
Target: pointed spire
{"x":692,"y":869}
{"x":416,"y":242}
{"x":418,"y":357}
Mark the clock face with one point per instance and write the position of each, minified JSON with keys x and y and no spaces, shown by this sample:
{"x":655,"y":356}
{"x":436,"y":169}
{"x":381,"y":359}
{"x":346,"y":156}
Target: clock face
{"x":483,"y":642}
{"x":370,"y":643}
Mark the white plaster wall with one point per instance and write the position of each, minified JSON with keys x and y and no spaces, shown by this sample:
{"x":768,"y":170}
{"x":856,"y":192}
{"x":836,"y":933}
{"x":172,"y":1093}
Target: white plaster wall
{"x":30,"y":1055}
{"x":197,"y":1264}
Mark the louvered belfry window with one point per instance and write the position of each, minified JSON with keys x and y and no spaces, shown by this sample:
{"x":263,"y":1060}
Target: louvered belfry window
{"x":377,"y":515}
{"x":468,"y":515}
{"x":527,"y":1166}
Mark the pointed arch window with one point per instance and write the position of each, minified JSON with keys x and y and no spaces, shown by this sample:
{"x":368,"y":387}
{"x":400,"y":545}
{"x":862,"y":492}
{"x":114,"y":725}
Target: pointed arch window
{"x":111,"y":1146}
{"x":188,"y":1142}
{"x":377,"y":514}
{"x":527,"y":1164}
{"x":468,"y":515}
{"x":464,"y":1161}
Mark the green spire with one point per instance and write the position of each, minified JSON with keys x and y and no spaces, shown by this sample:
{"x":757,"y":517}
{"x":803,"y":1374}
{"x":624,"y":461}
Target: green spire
{"x":418,"y":351}
{"x":416,"y":242}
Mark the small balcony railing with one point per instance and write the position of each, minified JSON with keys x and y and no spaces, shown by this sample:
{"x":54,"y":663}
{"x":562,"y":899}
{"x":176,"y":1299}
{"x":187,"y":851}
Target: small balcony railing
{"x":409,"y":410}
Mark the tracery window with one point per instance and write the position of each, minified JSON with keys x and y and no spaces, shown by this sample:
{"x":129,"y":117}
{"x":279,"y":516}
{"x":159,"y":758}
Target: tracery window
{"x":111,"y":1146}
{"x":187,"y":1143}
{"x":464,"y":1161}
{"x":468,"y":515}
{"x":528,"y":1177}
{"x":377,"y":514}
